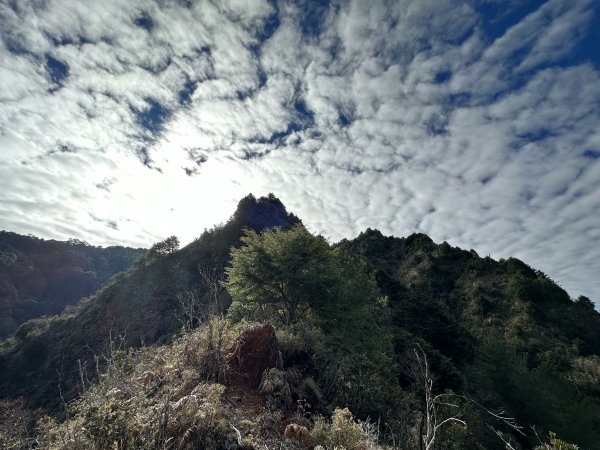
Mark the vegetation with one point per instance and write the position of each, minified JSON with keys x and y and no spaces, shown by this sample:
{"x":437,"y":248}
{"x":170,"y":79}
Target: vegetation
{"x":288,"y":269}
{"x":378,"y":342}
{"x":166,"y":247}
{"x":39,"y":277}
{"x":142,"y":304}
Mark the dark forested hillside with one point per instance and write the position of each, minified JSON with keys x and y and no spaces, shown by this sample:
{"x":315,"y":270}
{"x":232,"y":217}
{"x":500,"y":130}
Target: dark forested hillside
{"x":499,"y":331}
{"x":39,"y":277}
{"x":443,"y":349}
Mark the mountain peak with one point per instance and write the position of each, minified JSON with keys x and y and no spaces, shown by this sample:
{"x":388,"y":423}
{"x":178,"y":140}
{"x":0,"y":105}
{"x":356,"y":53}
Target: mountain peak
{"x":263,"y":212}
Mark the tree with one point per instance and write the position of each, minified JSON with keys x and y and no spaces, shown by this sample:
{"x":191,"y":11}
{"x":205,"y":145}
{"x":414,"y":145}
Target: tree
{"x":585,"y":302}
{"x":292,"y":269}
{"x":355,"y":312}
{"x":166,"y":247}
{"x":301,"y":276}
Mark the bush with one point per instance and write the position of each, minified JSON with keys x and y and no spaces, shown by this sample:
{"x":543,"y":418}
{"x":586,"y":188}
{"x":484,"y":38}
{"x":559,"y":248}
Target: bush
{"x":112,"y":426}
{"x":275,"y":387}
{"x":556,"y":444}
{"x":343,"y":432}
{"x":160,"y":397}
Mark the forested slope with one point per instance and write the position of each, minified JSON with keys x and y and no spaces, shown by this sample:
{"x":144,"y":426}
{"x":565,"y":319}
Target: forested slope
{"x":499,"y":331}
{"x":39,"y":276}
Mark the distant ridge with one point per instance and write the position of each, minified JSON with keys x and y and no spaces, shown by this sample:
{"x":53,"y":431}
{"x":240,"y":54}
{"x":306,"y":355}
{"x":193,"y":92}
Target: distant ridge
{"x":39,"y":276}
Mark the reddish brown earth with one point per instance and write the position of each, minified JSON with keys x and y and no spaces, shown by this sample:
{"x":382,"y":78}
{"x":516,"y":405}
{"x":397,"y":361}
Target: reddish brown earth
{"x":254,"y":351}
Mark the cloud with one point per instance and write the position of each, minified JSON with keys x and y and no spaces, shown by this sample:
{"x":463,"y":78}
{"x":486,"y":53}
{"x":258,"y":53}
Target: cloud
{"x":126,"y":123}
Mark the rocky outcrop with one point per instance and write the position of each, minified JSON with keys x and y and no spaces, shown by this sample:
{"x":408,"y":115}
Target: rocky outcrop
{"x":254,"y":351}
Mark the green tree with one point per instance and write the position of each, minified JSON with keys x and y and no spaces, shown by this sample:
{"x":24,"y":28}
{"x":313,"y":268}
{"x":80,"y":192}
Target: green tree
{"x":292,"y":269}
{"x":303,"y":277}
{"x":166,"y":247}
{"x":355,"y":314}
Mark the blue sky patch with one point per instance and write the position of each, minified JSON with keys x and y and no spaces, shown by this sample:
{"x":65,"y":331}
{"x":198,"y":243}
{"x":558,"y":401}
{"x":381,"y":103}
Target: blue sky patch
{"x":537,"y":135}
{"x":57,"y":70}
{"x":442,"y":76}
{"x":153,"y":117}
{"x":278,"y":138}
{"x":186,"y":92}
{"x":314,"y":14}
{"x":498,"y":16}
{"x":344,"y":119}
{"x":306,"y":116}
{"x":145,"y":22}
{"x":269,"y":27}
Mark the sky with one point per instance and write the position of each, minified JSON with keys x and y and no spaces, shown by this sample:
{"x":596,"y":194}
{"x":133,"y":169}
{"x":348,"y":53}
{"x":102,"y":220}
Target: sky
{"x":476,"y":122}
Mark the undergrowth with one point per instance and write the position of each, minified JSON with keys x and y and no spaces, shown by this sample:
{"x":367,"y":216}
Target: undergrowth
{"x":178,"y":396}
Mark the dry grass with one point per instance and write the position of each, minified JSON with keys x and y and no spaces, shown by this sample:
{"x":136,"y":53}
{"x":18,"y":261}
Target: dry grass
{"x":181,"y":396}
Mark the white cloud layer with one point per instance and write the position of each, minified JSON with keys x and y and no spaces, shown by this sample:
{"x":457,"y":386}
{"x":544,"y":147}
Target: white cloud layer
{"x":125,"y":122}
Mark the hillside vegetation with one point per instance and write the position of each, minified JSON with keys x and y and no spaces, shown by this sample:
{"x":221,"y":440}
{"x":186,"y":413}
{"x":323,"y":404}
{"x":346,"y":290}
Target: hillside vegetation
{"x":262,"y":335}
{"x":141,"y":304}
{"x":39,"y":277}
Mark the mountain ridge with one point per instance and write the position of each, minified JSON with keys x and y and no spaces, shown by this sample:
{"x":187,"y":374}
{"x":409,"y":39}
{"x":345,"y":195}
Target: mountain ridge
{"x":39,"y":276}
{"x":498,"y":331}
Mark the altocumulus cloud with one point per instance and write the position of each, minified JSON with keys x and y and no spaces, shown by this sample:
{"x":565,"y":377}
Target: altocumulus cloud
{"x":472,"y":121}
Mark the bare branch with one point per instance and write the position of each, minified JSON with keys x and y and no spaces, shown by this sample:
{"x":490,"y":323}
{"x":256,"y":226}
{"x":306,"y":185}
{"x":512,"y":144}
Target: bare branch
{"x":200,"y":304}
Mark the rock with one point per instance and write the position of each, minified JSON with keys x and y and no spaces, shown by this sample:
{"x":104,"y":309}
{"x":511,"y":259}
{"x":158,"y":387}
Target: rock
{"x":254,"y":351}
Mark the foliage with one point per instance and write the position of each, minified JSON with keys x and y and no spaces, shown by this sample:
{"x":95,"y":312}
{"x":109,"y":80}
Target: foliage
{"x":200,"y":304}
{"x":291,"y":269}
{"x":140,"y":304}
{"x":333,"y":291}
{"x":556,"y":444}
{"x":499,"y":336}
{"x":538,"y":396}
{"x":343,"y":432}
{"x":164,"y":247}
{"x":17,"y":424}
{"x":39,"y":277}
{"x":110,"y":425}
{"x":276,"y":389}
{"x":154,"y":398}
{"x":453,"y":303}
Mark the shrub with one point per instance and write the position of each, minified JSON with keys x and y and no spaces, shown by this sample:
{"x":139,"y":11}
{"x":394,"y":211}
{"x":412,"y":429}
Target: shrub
{"x":112,"y":426}
{"x":556,"y":444}
{"x":298,"y":434}
{"x":274,"y":385}
{"x":343,"y":432}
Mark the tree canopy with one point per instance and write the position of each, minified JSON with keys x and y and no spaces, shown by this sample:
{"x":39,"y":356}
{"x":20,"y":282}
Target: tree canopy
{"x":291,"y":268}
{"x":166,"y":247}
